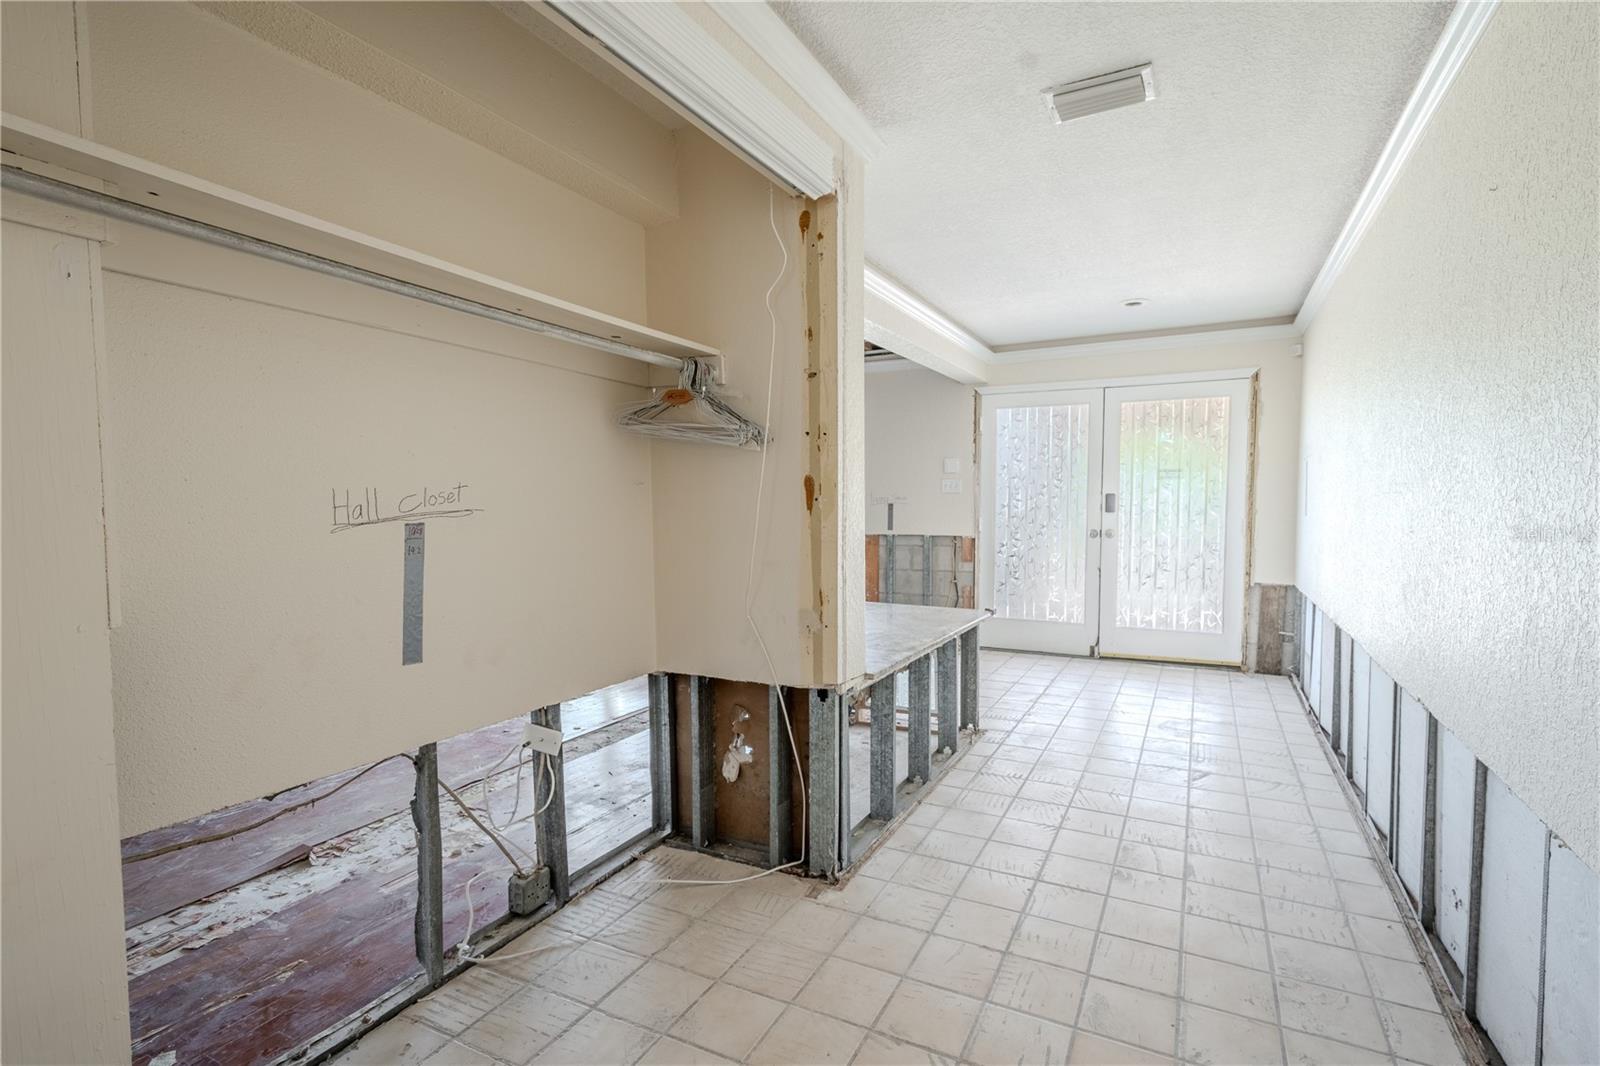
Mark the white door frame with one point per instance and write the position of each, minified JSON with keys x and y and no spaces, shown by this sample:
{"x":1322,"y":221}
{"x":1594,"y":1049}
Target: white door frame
{"x":1238,"y":586}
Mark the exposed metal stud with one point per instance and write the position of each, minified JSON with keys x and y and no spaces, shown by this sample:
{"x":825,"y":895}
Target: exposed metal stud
{"x":888,"y":556}
{"x":919,"y":757}
{"x":1480,"y":793}
{"x":429,"y":923}
{"x":1335,"y":733}
{"x":1428,"y":893}
{"x":550,"y":826}
{"x":882,"y":738}
{"x":927,"y":571}
{"x":780,"y":804}
{"x":662,"y":793}
{"x":828,"y":782}
{"x":949,"y":695}
{"x":1544,"y":946}
{"x":969,"y":679}
{"x":702,"y":762}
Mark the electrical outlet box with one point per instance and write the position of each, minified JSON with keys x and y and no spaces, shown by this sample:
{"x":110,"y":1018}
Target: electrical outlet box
{"x":952,"y":465}
{"x":950,"y":485}
{"x":526,"y":893}
{"x":541,"y":739}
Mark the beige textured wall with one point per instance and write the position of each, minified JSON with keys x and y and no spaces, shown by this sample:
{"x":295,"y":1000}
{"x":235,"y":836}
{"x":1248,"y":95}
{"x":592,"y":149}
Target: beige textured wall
{"x":242,"y":396}
{"x":1277,"y":426}
{"x":62,"y":994}
{"x":1450,"y":409}
{"x":915,"y":419}
{"x":709,"y":272}
{"x":258,"y":649}
{"x":843,"y":602}
{"x":173,"y":83}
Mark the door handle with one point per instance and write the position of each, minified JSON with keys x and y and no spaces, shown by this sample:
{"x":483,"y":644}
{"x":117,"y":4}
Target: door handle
{"x":1110,"y":533}
{"x":1094,"y":534}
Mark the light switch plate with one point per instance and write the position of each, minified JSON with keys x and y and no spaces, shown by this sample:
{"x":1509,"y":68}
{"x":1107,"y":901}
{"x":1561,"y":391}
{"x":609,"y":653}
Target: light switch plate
{"x":542,"y":739}
{"x":950,"y":485}
{"x":952,"y":465}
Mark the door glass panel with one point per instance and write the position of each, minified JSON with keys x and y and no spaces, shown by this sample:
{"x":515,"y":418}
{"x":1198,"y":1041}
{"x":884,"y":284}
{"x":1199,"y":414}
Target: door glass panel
{"x":1041,"y":512}
{"x":1171,"y":514}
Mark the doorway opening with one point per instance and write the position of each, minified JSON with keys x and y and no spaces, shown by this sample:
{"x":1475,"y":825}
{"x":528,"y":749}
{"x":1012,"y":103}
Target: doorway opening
{"x":1115,"y":519}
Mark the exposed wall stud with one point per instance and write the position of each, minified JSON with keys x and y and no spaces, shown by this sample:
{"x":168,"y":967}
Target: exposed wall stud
{"x":429,"y":924}
{"x":702,"y":762}
{"x":888,"y":556}
{"x":1480,"y":791}
{"x":882,"y":739}
{"x":1428,"y":894}
{"x":969,"y":679}
{"x":919,"y":683}
{"x":927,"y":571}
{"x":550,"y":826}
{"x":829,"y":780}
{"x":1335,"y":712}
{"x":662,"y":792}
{"x":1544,"y":948}
{"x":780,"y":804}
{"x":949,"y":695}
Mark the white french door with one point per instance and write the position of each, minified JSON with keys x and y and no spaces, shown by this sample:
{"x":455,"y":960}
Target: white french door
{"x":1041,"y":486}
{"x":1113,"y":520}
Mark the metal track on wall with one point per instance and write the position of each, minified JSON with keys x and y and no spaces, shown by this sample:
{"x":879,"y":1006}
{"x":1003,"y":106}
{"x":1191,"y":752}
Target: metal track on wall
{"x":15,"y":179}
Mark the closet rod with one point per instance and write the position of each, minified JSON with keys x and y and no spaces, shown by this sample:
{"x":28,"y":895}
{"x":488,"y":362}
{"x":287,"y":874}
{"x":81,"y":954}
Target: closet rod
{"x":69,"y":195}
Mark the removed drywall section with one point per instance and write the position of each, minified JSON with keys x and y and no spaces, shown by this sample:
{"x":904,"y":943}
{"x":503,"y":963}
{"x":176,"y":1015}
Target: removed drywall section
{"x":1453,"y":909}
{"x":1509,"y":923}
{"x":1381,"y":704}
{"x":1411,"y":798}
{"x":1449,"y":379}
{"x":933,"y":571}
{"x":919,"y":450}
{"x":1571,"y":1035}
{"x":709,"y":272}
{"x":1360,"y":716}
{"x":1509,"y":909}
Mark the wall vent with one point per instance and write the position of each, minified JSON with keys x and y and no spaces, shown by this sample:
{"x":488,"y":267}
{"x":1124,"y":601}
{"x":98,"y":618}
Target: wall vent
{"x":1104,"y":92}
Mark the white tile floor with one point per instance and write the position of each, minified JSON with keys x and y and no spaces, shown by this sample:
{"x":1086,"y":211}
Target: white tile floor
{"x":1133,"y":864}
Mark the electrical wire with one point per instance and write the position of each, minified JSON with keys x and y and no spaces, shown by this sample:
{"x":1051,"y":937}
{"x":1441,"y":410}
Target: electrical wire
{"x":750,"y":573}
{"x":275,"y":815}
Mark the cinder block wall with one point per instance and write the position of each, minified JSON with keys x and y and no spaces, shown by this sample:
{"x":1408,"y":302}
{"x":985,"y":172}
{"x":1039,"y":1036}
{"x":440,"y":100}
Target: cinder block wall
{"x":928,"y":570}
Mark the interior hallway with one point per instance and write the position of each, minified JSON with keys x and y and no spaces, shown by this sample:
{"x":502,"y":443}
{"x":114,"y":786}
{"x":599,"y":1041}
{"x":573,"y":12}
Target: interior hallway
{"x":1134,"y":863}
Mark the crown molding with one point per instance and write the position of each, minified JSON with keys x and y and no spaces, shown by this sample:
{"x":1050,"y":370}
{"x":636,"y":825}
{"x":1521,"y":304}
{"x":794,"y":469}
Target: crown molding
{"x":1461,"y":33}
{"x":775,"y":42}
{"x":663,"y":45}
{"x":923,"y":313}
{"x":1150,"y":342}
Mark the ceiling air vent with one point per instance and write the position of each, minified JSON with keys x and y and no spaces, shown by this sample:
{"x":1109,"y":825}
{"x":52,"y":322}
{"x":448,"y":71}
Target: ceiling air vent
{"x":1104,"y":92}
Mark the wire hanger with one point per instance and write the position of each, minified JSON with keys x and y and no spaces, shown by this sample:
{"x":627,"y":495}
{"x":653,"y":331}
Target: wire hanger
{"x":692,"y":412}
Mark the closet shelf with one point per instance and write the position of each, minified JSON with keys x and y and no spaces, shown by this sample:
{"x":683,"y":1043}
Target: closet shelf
{"x":49,"y":152}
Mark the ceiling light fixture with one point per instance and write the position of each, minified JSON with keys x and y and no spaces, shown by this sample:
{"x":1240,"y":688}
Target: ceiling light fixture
{"x":1104,"y":92}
